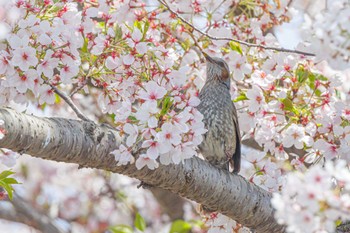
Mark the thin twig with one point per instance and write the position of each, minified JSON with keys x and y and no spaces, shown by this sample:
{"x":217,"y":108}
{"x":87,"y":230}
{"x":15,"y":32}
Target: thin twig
{"x":78,"y":88}
{"x":69,"y":101}
{"x":235,"y":40}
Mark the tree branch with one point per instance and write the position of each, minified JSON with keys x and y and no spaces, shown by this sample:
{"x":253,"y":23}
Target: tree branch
{"x":231,"y":39}
{"x":89,"y":145}
{"x":69,"y":101}
{"x":25,"y":213}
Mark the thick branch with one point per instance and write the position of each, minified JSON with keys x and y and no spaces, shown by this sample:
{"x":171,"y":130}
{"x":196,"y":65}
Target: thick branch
{"x":89,"y":145}
{"x":231,"y":39}
{"x":23,"y":212}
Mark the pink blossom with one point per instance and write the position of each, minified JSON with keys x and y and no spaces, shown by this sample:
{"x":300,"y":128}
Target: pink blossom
{"x":100,"y":44}
{"x":8,"y":157}
{"x":47,"y":65}
{"x":123,"y":156}
{"x":239,"y":65}
{"x":295,"y":135}
{"x":169,"y":136}
{"x":152,"y":91}
{"x":128,"y":59}
{"x":5,"y":66}
{"x":256,"y":98}
{"x":182,"y":152}
{"x":47,"y":95}
{"x":24,"y":58}
{"x":144,"y":160}
{"x":113,"y":62}
{"x":153,"y":148}
{"x":262,"y":79}
{"x":179,"y":77}
{"x":132,"y":130}
{"x":147,"y":114}
{"x":25,"y":81}
{"x":329,"y":150}
{"x":69,"y":70}
{"x":135,"y":42}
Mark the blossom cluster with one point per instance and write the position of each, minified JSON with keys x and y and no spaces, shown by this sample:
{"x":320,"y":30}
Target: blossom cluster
{"x":330,"y":36}
{"x":220,"y":223}
{"x":138,"y":64}
{"x":315,"y":201}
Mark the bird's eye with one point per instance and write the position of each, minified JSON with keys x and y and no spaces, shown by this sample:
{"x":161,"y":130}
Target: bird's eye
{"x":220,"y":63}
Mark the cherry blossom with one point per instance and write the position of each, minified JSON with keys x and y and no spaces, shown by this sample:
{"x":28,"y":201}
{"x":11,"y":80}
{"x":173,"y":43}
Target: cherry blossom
{"x":240,"y":66}
{"x":24,"y":58}
{"x":295,"y":135}
{"x":168,"y":137}
{"x":135,"y":41}
{"x":47,"y":95}
{"x":25,"y":81}
{"x":132,"y":130}
{"x":137,"y":66}
{"x":123,"y":156}
{"x":147,"y":114}
{"x":319,"y":205}
{"x":8,"y":157}
{"x":144,"y":160}
{"x":152,"y":91}
{"x":256,"y":99}
{"x":47,"y":65}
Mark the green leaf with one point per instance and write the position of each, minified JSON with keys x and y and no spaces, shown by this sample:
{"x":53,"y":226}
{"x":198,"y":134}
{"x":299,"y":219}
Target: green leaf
{"x":180,"y":226}
{"x":302,"y":75}
{"x":10,"y":181}
{"x":287,"y":104}
{"x":166,"y":105}
{"x":8,"y":189}
{"x":345,"y":123}
{"x":145,"y":29}
{"x":318,"y":93}
{"x":84,"y":49}
{"x":321,"y":77}
{"x":118,"y":32}
{"x":236,"y":47}
{"x":101,"y":24}
{"x":121,"y":229}
{"x":186,"y":44}
{"x":6,"y":182}
{"x":5,"y":174}
{"x":139,"y":222}
{"x":138,"y":25}
{"x":241,"y":97}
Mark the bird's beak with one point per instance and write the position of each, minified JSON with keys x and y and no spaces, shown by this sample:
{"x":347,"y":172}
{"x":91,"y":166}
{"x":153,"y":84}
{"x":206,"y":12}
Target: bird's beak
{"x":207,"y":57}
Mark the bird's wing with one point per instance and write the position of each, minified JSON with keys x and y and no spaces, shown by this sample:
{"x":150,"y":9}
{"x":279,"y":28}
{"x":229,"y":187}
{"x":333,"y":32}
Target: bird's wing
{"x":236,"y":157}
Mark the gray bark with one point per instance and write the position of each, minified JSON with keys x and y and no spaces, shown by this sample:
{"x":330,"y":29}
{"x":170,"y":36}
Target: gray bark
{"x":89,"y":145}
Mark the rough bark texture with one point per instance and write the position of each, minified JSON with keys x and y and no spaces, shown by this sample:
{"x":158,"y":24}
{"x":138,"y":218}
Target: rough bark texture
{"x":89,"y":145}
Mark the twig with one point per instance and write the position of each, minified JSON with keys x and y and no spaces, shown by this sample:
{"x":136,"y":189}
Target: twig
{"x":78,"y":88}
{"x":70,"y":103}
{"x":231,"y":39}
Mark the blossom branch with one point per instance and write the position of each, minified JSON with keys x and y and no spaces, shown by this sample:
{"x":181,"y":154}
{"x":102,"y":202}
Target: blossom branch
{"x":69,"y":101}
{"x":90,"y":145}
{"x":231,"y":39}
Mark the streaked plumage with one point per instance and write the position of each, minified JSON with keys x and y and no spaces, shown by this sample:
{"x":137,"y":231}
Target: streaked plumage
{"x":221,"y":144}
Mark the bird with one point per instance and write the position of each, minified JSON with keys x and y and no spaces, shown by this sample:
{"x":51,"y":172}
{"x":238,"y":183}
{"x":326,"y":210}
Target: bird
{"x":221,"y":145}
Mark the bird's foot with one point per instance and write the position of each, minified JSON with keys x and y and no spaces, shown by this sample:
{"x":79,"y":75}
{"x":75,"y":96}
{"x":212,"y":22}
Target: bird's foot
{"x":202,"y":209}
{"x":144,"y":185}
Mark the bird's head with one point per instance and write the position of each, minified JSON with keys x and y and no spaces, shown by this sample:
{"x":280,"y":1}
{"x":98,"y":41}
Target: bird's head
{"x":217,"y":69}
